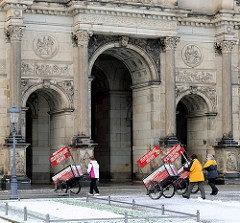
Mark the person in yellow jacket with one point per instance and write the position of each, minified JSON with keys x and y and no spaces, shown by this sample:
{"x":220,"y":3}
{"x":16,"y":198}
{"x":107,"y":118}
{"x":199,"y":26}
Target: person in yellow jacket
{"x":196,"y":176}
{"x":211,"y":167}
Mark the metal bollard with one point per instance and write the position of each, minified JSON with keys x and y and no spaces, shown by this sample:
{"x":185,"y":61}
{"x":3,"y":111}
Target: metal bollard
{"x":198,"y":216}
{"x":163,"y":209}
{"x":25,"y":214}
{"x":47,"y":218}
{"x":6,"y":210}
{"x":133,"y":204}
{"x":109,"y":200}
{"x":126,"y":217}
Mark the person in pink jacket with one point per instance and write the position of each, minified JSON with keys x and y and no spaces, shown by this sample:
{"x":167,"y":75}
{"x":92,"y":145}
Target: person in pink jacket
{"x":93,"y":171}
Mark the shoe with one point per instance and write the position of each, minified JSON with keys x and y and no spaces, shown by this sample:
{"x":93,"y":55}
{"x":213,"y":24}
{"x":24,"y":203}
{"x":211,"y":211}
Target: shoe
{"x":90,"y":194}
{"x":203,"y":198}
{"x":212,"y":193}
{"x":97,"y":194}
{"x":185,"y":196}
{"x":215,"y":193}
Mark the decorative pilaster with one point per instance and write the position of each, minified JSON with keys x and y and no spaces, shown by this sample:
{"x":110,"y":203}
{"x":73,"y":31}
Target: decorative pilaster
{"x":81,"y":87}
{"x":14,"y":34}
{"x":227,"y":47}
{"x":170,"y":44}
{"x":227,"y":151}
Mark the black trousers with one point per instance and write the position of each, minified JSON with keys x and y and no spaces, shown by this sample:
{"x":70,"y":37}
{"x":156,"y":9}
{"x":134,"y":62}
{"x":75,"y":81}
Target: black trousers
{"x":211,"y":183}
{"x":93,"y":186}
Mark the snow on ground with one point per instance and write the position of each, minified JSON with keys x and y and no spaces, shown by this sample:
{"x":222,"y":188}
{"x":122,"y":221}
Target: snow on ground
{"x":223,"y":208}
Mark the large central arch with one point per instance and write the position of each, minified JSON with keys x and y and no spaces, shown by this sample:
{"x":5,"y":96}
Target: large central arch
{"x":126,"y":74}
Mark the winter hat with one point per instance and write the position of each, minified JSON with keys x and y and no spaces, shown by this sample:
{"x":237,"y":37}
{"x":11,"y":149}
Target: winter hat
{"x":210,"y":157}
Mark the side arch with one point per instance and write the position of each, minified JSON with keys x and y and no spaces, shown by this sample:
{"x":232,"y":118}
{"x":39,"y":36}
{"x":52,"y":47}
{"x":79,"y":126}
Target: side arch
{"x":60,"y":99}
{"x":196,"y":101}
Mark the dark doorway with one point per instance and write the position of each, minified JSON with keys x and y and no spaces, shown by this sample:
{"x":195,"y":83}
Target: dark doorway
{"x":182,"y":123}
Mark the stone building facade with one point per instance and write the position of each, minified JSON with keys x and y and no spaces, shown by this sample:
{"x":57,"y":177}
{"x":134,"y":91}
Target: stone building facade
{"x":115,"y":78}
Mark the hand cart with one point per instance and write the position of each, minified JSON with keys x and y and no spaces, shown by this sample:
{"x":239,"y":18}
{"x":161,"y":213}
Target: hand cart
{"x":181,"y":184}
{"x":69,"y":177}
{"x":160,"y":182}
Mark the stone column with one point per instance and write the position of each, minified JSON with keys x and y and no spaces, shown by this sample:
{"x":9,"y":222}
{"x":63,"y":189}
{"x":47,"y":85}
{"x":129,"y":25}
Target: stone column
{"x":15,"y":34}
{"x":170,"y":97}
{"x":82,"y":84}
{"x":227,"y":89}
{"x":227,"y":151}
{"x":82,"y":145}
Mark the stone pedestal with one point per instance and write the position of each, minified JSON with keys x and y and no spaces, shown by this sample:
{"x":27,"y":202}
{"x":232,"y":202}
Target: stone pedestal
{"x":227,"y":157}
{"x":82,"y":148}
{"x":21,"y":146}
{"x":168,"y":141}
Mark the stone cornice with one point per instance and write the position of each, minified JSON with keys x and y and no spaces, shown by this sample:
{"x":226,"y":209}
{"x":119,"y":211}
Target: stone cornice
{"x":8,"y":4}
{"x":133,"y":9}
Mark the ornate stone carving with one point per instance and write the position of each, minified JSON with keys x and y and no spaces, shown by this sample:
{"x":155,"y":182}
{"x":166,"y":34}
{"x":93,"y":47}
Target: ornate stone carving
{"x":227,"y":46}
{"x":151,"y":46}
{"x":209,"y":92}
{"x":195,"y":76}
{"x":191,"y":55}
{"x":67,"y":86}
{"x":231,"y":161}
{"x":42,"y":69}
{"x":14,"y":33}
{"x":224,"y":46}
{"x":45,"y":46}
{"x":83,"y":38}
{"x":123,"y":40}
{"x":170,"y":43}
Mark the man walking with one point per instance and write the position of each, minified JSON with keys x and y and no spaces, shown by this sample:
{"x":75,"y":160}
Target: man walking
{"x":196,"y":176}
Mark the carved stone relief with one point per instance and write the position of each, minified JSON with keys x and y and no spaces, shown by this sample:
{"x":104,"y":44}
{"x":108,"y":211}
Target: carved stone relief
{"x":231,"y":161}
{"x":151,"y":46}
{"x":195,"y":76}
{"x":65,"y":85}
{"x":45,"y":46}
{"x":191,"y":55}
{"x":209,"y":92}
{"x":43,"y":69}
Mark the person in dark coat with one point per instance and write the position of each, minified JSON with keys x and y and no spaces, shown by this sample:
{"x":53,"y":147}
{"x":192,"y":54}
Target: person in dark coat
{"x":196,"y":176}
{"x":211,"y":167}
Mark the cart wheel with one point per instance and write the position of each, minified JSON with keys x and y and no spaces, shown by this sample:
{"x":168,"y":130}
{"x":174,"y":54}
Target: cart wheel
{"x":154,"y":190}
{"x":169,"y":190}
{"x":195,"y":189}
{"x":61,"y":187}
{"x":181,"y":186}
{"x":75,"y":188}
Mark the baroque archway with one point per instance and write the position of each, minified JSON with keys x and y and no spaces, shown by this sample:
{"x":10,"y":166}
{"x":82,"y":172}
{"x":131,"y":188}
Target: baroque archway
{"x":47,"y":115}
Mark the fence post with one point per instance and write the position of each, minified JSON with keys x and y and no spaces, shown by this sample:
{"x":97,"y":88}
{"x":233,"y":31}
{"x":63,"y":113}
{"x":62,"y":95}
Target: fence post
{"x":6,"y":210}
{"x":163,"y":209}
{"x":25,"y":214}
{"x":69,"y":192}
{"x":109,"y":200}
{"x":126,"y":217}
{"x":47,"y":218}
{"x":133,"y":204}
{"x":198,"y":216}
{"x":87,"y":198}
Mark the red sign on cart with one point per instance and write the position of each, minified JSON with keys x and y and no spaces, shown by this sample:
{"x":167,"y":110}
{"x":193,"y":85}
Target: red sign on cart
{"x":150,"y":156}
{"x":175,"y":152}
{"x":59,"y":156}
